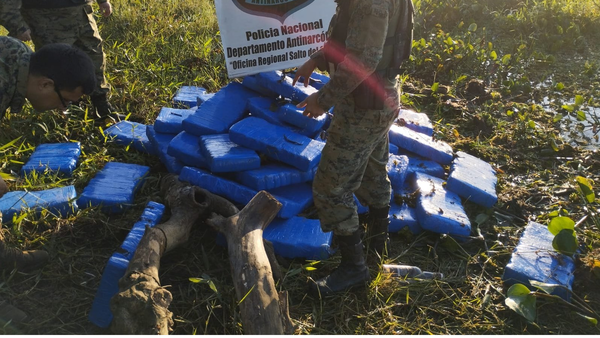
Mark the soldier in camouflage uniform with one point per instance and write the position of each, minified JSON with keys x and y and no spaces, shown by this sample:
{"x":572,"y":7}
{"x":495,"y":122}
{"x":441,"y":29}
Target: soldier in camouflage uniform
{"x":354,"y":158}
{"x":64,"y":21}
{"x":49,"y":78}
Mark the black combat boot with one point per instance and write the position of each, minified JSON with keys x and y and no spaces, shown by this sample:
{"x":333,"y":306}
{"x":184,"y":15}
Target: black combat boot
{"x":377,"y":230}
{"x":103,"y":109}
{"x":351,"y":272}
{"x":12,"y":258}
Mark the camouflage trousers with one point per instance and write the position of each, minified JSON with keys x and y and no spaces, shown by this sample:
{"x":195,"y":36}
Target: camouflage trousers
{"x":74,"y":26}
{"x":353,"y":162}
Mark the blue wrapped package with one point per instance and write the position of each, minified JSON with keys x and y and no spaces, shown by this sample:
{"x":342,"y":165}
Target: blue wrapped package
{"x":279,"y":143}
{"x":218,"y":114}
{"x":187,"y":96}
{"x":251,"y":82}
{"x":424,"y":166}
{"x":223,"y":155}
{"x":299,"y":237}
{"x":308,"y":126}
{"x":393,"y":149}
{"x":293,"y":200}
{"x":130,"y":133}
{"x":282,"y":85}
{"x":114,"y":187}
{"x":397,"y":169}
{"x":420,"y":144}
{"x":473,"y":179}
{"x":262,"y":107}
{"x":185,"y":147}
{"x":418,"y":122}
{"x":534,"y":258}
{"x":58,"y":201}
{"x":54,"y":157}
{"x":100,"y":314}
{"x":439,"y":210}
{"x":274,"y":175}
{"x":160,"y":142}
{"x":403,"y":216}
{"x":170,"y":120}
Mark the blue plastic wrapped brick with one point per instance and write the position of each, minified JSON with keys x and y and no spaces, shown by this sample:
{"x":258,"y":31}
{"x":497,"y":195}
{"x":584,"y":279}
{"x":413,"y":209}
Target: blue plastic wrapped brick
{"x":262,"y":107}
{"x":251,"y":82}
{"x":274,"y":175}
{"x":393,"y":149}
{"x":473,"y":179}
{"x":439,"y":210}
{"x":114,"y":187}
{"x":403,"y":216}
{"x":224,"y":156}
{"x":299,"y":237}
{"x":309,"y":126}
{"x":160,"y":142}
{"x":420,"y":144}
{"x":397,"y":169}
{"x":185,"y":147}
{"x":150,"y":217}
{"x":100,"y":314}
{"x":187,"y":96}
{"x":218,"y":114}
{"x":279,"y":143}
{"x":282,"y":85}
{"x":424,"y":166}
{"x":170,"y":120}
{"x":201,"y":98}
{"x":58,"y":201}
{"x":54,"y":157}
{"x":535,"y":259}
{"x":130,"y":133}
{"x":418,"y":122}
{"x":317,"y":80}
{"x":293,"y":200}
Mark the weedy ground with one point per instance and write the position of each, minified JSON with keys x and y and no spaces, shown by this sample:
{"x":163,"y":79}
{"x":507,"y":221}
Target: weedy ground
{"x":504,"y":81}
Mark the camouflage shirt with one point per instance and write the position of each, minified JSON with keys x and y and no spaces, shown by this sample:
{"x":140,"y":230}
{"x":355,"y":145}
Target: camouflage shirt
{"x":10,"y":17}
{"x":14,"y":71}
{"x":367,"y":32}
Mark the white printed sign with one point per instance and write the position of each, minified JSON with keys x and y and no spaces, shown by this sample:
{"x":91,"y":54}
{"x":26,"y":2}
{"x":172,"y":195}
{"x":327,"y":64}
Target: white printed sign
{"x":264,"y":35}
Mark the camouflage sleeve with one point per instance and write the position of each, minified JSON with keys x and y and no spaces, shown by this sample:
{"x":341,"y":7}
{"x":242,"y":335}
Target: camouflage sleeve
{"x":367,"y":32}
{"x":319,"y":56}
{"x":10,"y":17}
{"x":4,"y":99}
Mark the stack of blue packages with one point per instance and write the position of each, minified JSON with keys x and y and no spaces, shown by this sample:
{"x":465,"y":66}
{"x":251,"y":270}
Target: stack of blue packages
{"x":54,"y":157}
{"x":100,"y":314}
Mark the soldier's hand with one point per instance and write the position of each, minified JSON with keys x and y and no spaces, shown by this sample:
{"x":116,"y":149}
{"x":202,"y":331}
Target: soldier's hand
{"x":25,"y":36}
{"x":305,"y":71}
{"x":311,"y":106}
{"x":105,"y":9}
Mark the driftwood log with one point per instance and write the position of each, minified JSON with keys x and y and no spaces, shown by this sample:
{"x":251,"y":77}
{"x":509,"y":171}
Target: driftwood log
{"x":142,"y":304}
{"x":262,"y":308}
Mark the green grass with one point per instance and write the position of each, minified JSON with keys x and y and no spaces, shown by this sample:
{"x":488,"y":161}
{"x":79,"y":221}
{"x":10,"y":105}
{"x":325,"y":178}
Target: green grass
{"x":154,"y":47}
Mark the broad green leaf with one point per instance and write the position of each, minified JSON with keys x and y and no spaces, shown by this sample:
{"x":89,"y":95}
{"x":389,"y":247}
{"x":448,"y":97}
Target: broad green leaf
{"x":196,"y":280}
{"x":435,"y":86}
{"x":509,"y":112}
{"x":493,"y":55}
{"x":472,"y":27}
{"x":460,"y":79}
{"x":592,"y":320}
{"x":565,"y":242}
{"x":579,"y":100}
{"x":557,"y":118}
{"x":310,"y":268}
{"x":559,"y":86}
{"x":553,"y":213}
{"x":568,"y":107}
{"x":531,"y":124}
{"x":560,"y":223}
{"x":546,"y":287}
{"x":506,"y":59}
{"x":586,"y":188}
{"x":581,"y":115}
{"x":519,"y":299}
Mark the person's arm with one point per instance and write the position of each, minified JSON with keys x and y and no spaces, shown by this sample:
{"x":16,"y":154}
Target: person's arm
{"x":11,"y":19}
{"x":366,"y":37}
